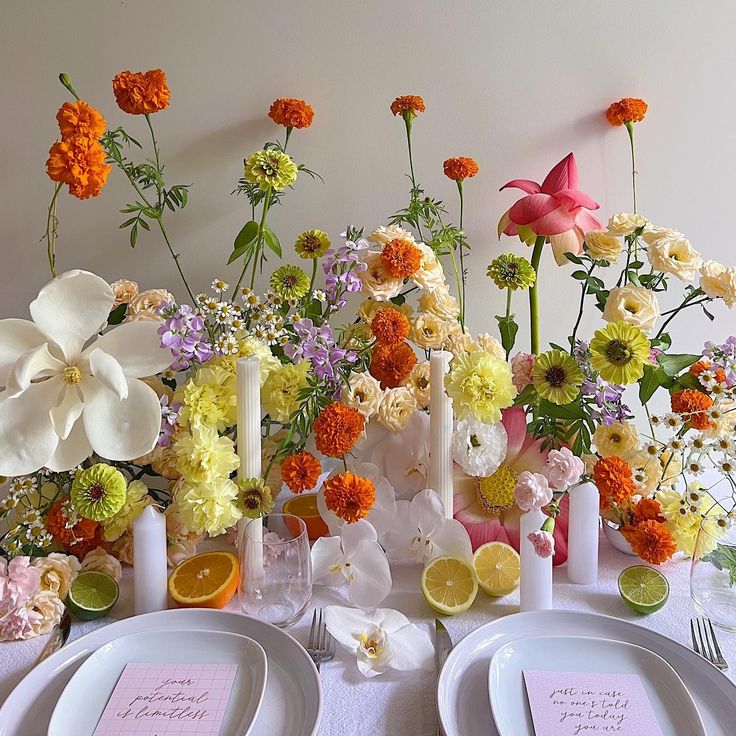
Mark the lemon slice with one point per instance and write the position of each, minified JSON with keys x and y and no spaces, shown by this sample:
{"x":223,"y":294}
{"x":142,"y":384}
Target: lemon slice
{"x":497,"y":568}
{"x":449,"y":585}
{"x":92,"y":595}
{"x":645,"y":589}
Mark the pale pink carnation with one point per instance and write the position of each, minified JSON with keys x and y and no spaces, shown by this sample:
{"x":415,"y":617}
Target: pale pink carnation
{"x":564,"y":468}
{"x":522,"y":365}
{"x":19,"y":623}
{"x":532,"y":491}
{"x":543,"y":543}
{"x":20,"y":581}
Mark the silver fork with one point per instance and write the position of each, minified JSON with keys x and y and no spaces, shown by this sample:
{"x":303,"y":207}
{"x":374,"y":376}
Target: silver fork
{"x":321,"y":645}
{"x":705,"y":642}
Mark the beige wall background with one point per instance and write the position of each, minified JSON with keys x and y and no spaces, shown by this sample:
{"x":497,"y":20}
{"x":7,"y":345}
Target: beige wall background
{"x":516,"y":85}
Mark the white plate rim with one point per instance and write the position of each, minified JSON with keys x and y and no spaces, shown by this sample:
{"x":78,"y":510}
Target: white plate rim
{"x":252,"y":710}
{"x":38,"y":676}
{"x":662,"y":662}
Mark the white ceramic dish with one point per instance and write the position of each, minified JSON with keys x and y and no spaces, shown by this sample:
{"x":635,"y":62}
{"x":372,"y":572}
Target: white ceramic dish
{"x":672,"y":704}
{"x":292,"y":702}
{"x":462,"y":694}
{"x":88,"y":692}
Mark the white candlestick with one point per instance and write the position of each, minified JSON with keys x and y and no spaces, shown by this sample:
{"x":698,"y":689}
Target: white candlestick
{"x":150,"y":573}
{"x":583,"y":533}
{"x":535,"y":588}
{"x":440,"y":430}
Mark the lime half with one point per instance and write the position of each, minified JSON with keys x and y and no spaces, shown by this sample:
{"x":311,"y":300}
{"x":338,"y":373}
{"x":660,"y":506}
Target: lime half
{"x":92,"y":595}
{"x":645,"y":589}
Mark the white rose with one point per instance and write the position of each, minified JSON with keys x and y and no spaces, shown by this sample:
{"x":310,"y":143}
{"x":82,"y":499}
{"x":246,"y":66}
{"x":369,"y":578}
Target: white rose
{"x":363,"y":393}
{"x":377,"y":281}
{"x":369,"y":307}
{"x":718,"y":281}
{"x":397,"y":407}
{"x":652,"y":233}
{"x":50,"y":608}
{"x":625,"y":224}
{"x":418,"y":383}
{"x":99,"y":561}
{"x":428,"y":331}
{"x":125,"y":291}
{"x":489,"y":344}
{"x":57,"y":572}
{"x":145,"y":305}
{"x":441,"y":303}
{"x":461,"y":342}
{"x":383,"y":235}
{"x":600,"y":244}
{"x":672,"y":253}
{"x":430,"y":275}
{"x":179,"y":551}
{"x":634,"y":305}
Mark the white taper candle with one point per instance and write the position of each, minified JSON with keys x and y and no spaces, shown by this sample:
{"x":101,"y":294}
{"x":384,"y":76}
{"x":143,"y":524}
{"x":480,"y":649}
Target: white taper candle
{"x":150,"y":570}
{"x":535,"y":586}
{"x":583,"y":532}
{"x":440,"y":430}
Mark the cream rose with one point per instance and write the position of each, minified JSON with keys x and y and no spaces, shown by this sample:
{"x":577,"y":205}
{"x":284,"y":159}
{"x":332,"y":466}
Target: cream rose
{"x":602,"y":245}
{"x":123,"y":549}
{"x":99,"y":560}
{"x":377,"y":281}
{"x":619,"y":438}
{"x":430,"y":275}
{"x":146,"y":304}
{"x":418,"y":383}
{"x":369,"y":307}
{"x":362,"y":393}
{"x":461,"y":342}
{"x":489,"y":344}
{"x":383,"y":235}
{"x":441,"y":303}
{"x":672,"y":253}
{"x":625,"y":224}
{"x":49,"y":608}
{"x":125,"y":291}
{"x":428,"y":331}
{"x":634,"y":305}
{"x":57,"y":572}
{"x":397,"y":407}
{"x":179,"y":551}
{"x":719,"y":281}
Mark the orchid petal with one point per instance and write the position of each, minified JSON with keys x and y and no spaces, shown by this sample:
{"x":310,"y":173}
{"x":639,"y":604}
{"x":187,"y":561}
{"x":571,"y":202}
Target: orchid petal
{"x":65,"y":414}
{"x":452,"y":540}
{"x":572,"y":198}
{"x":36,"y":363}
{"x":371,"y":581}
{"x":398,"y":538}
{"x":526,"y":185}
{"x":563,"y":176}
{"x":410,"y":648}
{"x":17,"y":336}
{"x":27,"y":439}
{"x":370,"y":667}
{"x":347,"y":624}
{"x":71,"y":451}
{"x":71,"y":308}
{"x":427,"y":512}
{"x":326,"y":555}
{"x":137,"y":347}
{"x":121,"y":429}
{"x":567,"y":242}
{"x":353,"y":535}
{"x":382,"y":515}
{"x":390,"y":620}
{"x":108,"y":372}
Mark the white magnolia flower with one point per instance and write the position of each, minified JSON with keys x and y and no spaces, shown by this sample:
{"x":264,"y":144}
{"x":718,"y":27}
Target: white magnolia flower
{"x":354,"y":557}
{"x":479,"y":448}
{"x":67,"y":397}
{"x":421,"y":531}
{"x":381,"y":640}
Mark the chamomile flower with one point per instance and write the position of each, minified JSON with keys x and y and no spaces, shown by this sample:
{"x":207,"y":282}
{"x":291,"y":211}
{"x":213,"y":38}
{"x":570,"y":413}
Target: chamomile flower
{"x":218,"y":285}
{"x":224,"y":313}
{"x":9,"y":502}
{"x":726,"y":466}
{"x":673,"y":421}
{"x":250,"y":299}
{"x":12,"y":547}
{"x":697,"y":443}
{"x":676,"y":444}
{"x":227,"y":345}
{"x":33,"y":517}
{"x":259,"y":332}
{"x":708,"y":379}
{"x":24,"y":485}
{"x":211,"y":304}
{"x":715,"y":414}
{"x":641,"y":479}
{"x":694,"y":467}
{"x":656,"y":421}
{"x":201,"y":299}
{"x":237,"y":324}
{"x":725,"y":444}
{"x":651,"y":449}
{"x":319,"y":295}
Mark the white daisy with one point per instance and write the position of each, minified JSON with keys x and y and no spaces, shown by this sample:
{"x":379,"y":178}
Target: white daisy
{"x":219,"y":286}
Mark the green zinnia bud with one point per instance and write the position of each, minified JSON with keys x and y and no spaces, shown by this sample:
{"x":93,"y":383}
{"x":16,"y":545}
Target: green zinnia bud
{"x":290,"y":282}
{"x":512,"y":272}
{"x":98,"y":492}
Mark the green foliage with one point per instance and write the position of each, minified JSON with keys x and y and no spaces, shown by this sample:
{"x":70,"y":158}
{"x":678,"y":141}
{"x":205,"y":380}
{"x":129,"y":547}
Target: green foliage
{"x":117,"y":315}
{"x":673,"y":363}
{"x":508,"y":328}
{"x":724,"y":558}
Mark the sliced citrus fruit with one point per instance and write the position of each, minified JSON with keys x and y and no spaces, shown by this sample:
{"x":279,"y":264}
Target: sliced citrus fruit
{"x":208,"y":580}
{"x":497,"y":568}
{"x":449,"y":585}
{"x":305,"y":507}
{"x":645,"y":589}
{"x":92,"y":595}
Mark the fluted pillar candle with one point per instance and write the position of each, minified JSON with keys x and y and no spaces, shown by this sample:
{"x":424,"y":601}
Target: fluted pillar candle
{"x":440,"y":430}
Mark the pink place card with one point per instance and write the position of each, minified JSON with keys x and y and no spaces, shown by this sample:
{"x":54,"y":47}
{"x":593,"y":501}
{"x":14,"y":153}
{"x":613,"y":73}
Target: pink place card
{"x":168,"y":700}
{"x":587,"y":704}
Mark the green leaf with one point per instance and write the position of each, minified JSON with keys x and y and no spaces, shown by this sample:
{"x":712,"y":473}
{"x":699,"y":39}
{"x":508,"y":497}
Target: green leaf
{"x":117,"y":315}
{"x":573,"y":258}
{"x":272,"y":241}
{"x":237,"y":253}
{"x":723,"y":558}
{"x":508,"y":329}
{"x":398,"y":300}
{"x":133,"y":235}
{"x":527,"y":396}
{"x":246,"y":235}
{"x":580,"y":275}
{"x":127,"y":223}
{"x":676,"y":362}
{"x":686,"y":380}
{"x":569,"y":411}
{"x":664,"y":341}
{"x":652,"y":379}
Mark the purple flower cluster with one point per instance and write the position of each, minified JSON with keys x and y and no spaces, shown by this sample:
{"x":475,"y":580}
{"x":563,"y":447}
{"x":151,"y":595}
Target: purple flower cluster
{"x":342,"y":266}
{"x":724,"y":357}
{"x":169,"y":418}
{"x":607,"y":397}
{"x":184,"y":332}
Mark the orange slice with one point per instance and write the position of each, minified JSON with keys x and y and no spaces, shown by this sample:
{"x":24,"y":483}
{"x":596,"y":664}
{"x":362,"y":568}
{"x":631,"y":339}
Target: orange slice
{"x":208,"y":580}
{"x":305,"y":507}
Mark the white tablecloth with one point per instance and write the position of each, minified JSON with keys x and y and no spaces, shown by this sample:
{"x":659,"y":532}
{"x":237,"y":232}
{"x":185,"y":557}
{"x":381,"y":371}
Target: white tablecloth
{"x":403,"y":704}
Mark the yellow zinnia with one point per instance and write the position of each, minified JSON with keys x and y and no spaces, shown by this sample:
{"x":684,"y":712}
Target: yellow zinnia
{"x":280,"y":394}
{"x":312,"y":243}
{"x":619,"y":353}
{"x":557,"y":377}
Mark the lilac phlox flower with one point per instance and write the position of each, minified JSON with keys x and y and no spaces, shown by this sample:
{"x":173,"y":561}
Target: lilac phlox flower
{"x":169,"y":418}
{"x":317,"y":344}
{"x":184,"y":333}
{"x":608,"y":399}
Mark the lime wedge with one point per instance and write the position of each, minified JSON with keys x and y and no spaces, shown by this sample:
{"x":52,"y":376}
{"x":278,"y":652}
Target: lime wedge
{"x":92,"y":595}
{"x":645,"y":589}
{"x":449,"y":585}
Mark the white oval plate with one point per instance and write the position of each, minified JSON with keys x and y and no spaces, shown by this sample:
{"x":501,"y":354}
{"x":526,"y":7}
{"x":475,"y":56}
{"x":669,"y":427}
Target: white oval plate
{"x":292,"y":703}
{"x":671,"y":702}
{"x":84,"y":699}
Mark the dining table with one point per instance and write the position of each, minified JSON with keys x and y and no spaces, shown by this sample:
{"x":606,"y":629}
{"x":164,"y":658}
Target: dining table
{"x":404,"y":703}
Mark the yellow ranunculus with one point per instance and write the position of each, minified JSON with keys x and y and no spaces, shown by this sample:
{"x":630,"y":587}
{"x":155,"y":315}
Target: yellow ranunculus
{"x":280,"y":394}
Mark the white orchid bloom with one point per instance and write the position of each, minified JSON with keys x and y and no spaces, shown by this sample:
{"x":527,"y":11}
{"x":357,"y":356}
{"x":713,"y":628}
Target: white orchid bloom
{"x":421,"y":531}
{"x":381,"y":516}
{"x":382,"y":639}
{"x":66,"y":397}
{"x":354,"y":557}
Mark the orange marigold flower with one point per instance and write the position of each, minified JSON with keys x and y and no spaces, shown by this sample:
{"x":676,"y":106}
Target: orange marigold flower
{"x":337,"y":429}
{"x":291,"y":113}
{"x":627,"y":110}
{"x":614,"y":479}
{"x":459,"y":168}
{"x":412,"y":104}
{"x":693,"y":406}
{"x":391,"y":364}
{"x":401,"y":258}
{"x":79,"y":539}
{"x":704,"y":365}
{"x":79,"y":163}
{"x":651,"y":541}
{"x":80,"y":119}
{"x":349,"y":496}
{"x":390,"y":326}
{"x":300,"y":472}
{"x":141,"y":93}
{"x":647,"y":509}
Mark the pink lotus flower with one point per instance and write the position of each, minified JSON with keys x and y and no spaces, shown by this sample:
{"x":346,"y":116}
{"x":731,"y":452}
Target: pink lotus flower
{"x":523,"y":453}
{"x":543,"y":543}
{"x":557,"y":209}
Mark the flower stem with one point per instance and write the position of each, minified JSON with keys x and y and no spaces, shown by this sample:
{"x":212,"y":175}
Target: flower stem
{"x":630,"y":130}
{"x":462,"y":262}
{"x":459,"y":287}
{"x":288,"y":135}
{"x":583,"y":294}
{"x":408,"y":119}
{"x":314,"y":276}
{"x":51,"y":225}
{"x":533,"y":295}
{"x":688,"y":301}
{"x":259,"y":242}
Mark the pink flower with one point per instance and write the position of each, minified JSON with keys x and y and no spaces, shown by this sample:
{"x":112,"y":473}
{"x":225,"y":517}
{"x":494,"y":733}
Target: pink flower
{"x":654,"y":353}
{"x":19,"y":623}
{"x":522,"y":365}
{"x":532,"y":491}
{"x":543,"y":543}
{"x":19,"y":581}
{"x":564,"y":468}
{"x":556,"y":209}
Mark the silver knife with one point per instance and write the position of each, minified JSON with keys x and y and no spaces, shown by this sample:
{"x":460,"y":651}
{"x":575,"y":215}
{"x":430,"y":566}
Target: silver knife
{"x":442,"y":648}
{"x":57,"y":638}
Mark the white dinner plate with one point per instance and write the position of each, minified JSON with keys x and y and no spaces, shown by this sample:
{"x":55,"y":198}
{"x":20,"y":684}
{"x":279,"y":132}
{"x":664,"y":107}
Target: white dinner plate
{"x":462,"y":693}
{"x":86,"y":695}
{"x":672,"y":704}
{"x":292,"y":703}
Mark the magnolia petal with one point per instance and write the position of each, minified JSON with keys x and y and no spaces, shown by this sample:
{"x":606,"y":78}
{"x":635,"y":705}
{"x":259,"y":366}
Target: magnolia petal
{"x":17,"y":336}
{"x":452,"y":539}
{"x":372,"y":581}
{"x":326,"y":555}
{"x":347,"y":624}
{"x":137,"y":347}
{"x":563,"y":176}
{"x":567,"y":242}
{"x":71,"y":308}
{"x":353,"y":535}
{"x":36,"y":363}
{"x":121,"y":429}
{"x":108,"y":372}
{"x":70,"y":452}
{"x":27,"y":439}
{"x":410,"y":648}
{"x":67,"y":412}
